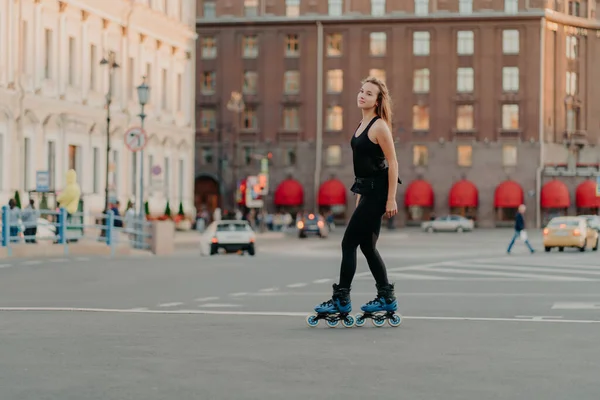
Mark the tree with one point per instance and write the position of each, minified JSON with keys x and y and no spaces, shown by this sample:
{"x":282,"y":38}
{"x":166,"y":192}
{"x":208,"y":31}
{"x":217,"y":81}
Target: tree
{"x":147,"y":208}
{"x":181,"y":209}
{"x":168,"y":209}
{"x":18,"y":199}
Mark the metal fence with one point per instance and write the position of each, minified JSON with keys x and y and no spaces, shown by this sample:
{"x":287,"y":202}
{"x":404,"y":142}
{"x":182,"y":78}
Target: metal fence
{"x":60,"y":228}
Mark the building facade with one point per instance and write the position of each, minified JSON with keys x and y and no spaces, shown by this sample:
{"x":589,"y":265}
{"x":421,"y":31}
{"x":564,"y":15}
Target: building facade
{"x":54,"y":89}
{"x":494,"y":101}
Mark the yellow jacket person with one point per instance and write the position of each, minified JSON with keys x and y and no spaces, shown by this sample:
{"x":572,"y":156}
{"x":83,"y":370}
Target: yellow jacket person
{"x":69,"y":197}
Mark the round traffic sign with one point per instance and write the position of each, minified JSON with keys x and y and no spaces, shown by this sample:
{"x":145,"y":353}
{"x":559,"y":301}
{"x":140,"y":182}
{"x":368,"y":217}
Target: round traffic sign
{"x":156,"y":170}
{"x":136,"y":139}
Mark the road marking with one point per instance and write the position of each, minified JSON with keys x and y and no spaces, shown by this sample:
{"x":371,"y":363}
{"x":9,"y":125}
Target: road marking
{"x":512,"y":275}
{"x":57,"y":260}
{"x":32,"y":262}
{"x":238,"y":294}
{"x":530,"y":269}
{"x":296,"y":285}
{"x":322,"y":280}
{"x":222,"y":305}
{"x":451,"y":294}
{"x":139,"y":309}
{"x":575,"y":306}
{"x":82,"y":259}
{"x":267,"y":290}
{"x":538,"y":317}
{"x":174,"y":304}
{"x":202,"y":299}
{"x":282,"y":314}
{"x":5,"y":265}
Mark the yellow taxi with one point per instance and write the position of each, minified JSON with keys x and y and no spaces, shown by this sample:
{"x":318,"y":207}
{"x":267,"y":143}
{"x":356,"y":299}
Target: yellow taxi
{"x":564,"y":232}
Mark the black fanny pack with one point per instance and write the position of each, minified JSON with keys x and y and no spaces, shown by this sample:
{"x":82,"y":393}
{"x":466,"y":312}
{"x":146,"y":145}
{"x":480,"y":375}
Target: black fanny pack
{"x":364,"y":186}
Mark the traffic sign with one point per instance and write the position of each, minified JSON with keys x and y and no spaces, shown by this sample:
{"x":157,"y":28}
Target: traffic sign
{"x":42,"y":181}
{"x":136,"y":139}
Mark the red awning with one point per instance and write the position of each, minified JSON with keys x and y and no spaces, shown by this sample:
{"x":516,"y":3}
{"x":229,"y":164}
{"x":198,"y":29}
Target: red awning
{"x":585,"y":195}
{"x":332,"y":193}
{"x":463,"y":194}
{"x":289,"y":193}
{"x":419,"y":193}
{"x":555,"y":194}
{"x":509,"y":194}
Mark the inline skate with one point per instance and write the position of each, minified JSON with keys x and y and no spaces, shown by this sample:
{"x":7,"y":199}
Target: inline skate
{"x":333,"y":311}
{"x":382,"y":308}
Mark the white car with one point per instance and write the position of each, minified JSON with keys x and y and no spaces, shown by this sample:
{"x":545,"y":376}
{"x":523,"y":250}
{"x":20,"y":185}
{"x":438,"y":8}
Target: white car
{"x":229,"y":235}
{"x":448,"y":223}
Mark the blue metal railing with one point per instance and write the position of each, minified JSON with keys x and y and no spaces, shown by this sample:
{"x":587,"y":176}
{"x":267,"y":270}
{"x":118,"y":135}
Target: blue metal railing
{"x":61,"y":228}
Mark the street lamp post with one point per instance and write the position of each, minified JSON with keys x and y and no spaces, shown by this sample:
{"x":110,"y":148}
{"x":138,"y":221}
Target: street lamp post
{"x":143,"y":92}
{"x":112,"y":65}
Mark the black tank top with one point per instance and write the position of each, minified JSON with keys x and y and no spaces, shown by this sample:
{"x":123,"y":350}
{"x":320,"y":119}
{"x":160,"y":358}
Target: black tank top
{"x":368,"y":158}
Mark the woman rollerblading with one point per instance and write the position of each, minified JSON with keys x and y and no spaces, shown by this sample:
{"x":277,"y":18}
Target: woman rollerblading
{"x":376,"y":182}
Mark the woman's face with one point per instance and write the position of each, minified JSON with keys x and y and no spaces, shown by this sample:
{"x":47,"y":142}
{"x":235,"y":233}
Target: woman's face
{"x":367,"y":96}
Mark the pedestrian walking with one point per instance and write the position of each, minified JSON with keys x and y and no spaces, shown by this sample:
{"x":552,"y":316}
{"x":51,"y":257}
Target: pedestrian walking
{"x":376,"y":181}
{"x":30,"y":216}
{"x":520,"y":232}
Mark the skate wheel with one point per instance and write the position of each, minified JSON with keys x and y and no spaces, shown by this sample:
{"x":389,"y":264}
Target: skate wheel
{"x":333,"y":324}
{"x":359,"y":320}
{"x":312,"y":321}
{"x":395,"y":320}
{"x":349,"y":321}
{"x":378,"y":321}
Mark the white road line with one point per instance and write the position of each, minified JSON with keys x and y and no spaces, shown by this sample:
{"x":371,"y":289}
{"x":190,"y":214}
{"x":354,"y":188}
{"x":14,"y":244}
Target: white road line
{"x":202,"y":299}
{"x":512,"y":275}
{"x":575,"y":306}
{"x":408,"y":276}
{"x":57,"y":260}
{"x":240,"y":294}
{"x":528,"y":269}
{"x":267,"y":290}
{"x":283,"y":314}
{"x":82,"y":259}
{"x":139,"y":309}
{"x":174,"y":304}
{"x":296,"y":285}
{"x":403,"y":295}
{"x":5,"y":265}
{"x":322,"y":280}
{"x":32,"y":262}
{"x":219,"y":305}
{"x":538,"y":317}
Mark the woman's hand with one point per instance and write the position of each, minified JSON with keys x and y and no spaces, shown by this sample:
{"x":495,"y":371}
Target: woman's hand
{"x":391,"y":208}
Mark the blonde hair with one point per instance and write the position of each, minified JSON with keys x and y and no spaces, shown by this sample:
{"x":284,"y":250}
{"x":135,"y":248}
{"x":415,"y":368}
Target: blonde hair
{"x":383,"y":107}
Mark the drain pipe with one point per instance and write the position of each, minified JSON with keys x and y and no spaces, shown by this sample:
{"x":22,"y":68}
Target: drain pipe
{"x":319,"y":130}
{"x":540,"y":169}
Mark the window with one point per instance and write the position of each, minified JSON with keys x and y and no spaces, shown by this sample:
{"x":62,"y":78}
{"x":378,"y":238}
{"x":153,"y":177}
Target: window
{"x":509,"y":155}
{"x":72,"y":61}
{"x":2,"y":160}
{"x":377,"y":8}
{"x":292,"y":8}
{"x":207,"y":156}
{"x":209,"y":47}
{"x":26,"y":162}
{"x":168,"y":174}
{"x":95,"y":170}
{"x":131,"y":71}
{"x":249,"y":119}
{"x":134,"y":168}
{"x":572,"y":118}
{"x":292,"y":46}
{"x":24,"y":47}
{"x":250,"y":46}
{"x":250,"y":8}
{"x":510,"y":41}
{"x":465,"y":6}
{"x":420,"y":156}
{"x":248,"y":155}
{"x":465,"y":43}
{"x":335,"y":81}
{"x":421,"y":43}
{"x":421,"y":7}
{"x":465,"y":155}
{"x":181,"y":179}
{"x":48,"y":54}
{"x":510,"y":79}
{"x":165,"y":90}
{"x":420,"y":118}
{"x":511,"y":6}
{"x":421,"y":80}
{"x":334,"y":45}
{"x":250,"y":82}
{"x":335,"y":8}
{"x":289,"y":157}
{"x":179,"y":89}
{"x":93,"y":66}
{"x":464,"y":117}
{"x":510,"y":116}
{"x":291,"y":82}
{"x":208,"y":120}
{"x":291,"y":119}
{"x":572,"y":46}
{"x":210,"y":9}
{"x":378,"y":43}
{"x":465,"y":80}
{"x":335,"y":118}
{"x":75,"y":158}
{"x":571,"y":83}
{"x":51,"y":163}
{"x":574,"y":8}
{"x":377,"y":73}
{"x":333,"y":155}
{"x":209,"y":82}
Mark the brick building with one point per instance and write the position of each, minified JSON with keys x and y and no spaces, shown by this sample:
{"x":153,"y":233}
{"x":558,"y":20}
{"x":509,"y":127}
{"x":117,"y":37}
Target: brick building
{"x":496,"y":102}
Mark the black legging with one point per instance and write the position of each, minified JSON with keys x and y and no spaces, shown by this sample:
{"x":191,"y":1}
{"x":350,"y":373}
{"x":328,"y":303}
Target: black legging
{"x":363,"y":230}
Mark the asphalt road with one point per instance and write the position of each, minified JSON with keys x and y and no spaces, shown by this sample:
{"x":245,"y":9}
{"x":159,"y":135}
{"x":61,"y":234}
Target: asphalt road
{"x":478,"y":324}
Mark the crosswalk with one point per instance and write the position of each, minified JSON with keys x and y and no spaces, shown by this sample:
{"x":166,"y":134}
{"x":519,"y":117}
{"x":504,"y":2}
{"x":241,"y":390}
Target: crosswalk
{"x":547,"y":268}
